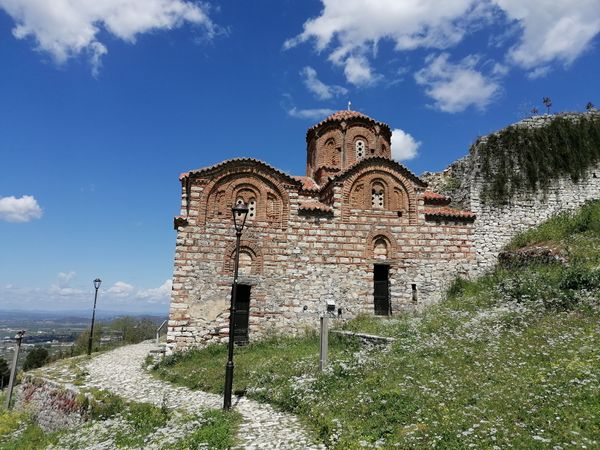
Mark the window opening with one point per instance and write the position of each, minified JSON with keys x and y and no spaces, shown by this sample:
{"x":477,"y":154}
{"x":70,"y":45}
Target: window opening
{"x":414,"y":293}
{"x":239,"y":201}
{"x":251,"y":209}
{"x":377,"y":196}
{"x":360,"y":149}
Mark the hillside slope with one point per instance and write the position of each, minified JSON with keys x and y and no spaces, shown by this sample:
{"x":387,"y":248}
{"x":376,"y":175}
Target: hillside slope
{"x":510,"y":360}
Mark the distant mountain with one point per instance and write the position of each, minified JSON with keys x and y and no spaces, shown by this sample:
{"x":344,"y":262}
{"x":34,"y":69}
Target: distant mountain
{"x":72,"y":316}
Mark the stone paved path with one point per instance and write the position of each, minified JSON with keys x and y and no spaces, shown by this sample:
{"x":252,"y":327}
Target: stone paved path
{"x":120,"y":371}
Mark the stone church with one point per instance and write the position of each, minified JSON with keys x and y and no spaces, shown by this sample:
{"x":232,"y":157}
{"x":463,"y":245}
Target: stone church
{"x":358,"y":229}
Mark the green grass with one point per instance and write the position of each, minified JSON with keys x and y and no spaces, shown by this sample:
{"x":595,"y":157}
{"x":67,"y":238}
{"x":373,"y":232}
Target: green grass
{"x":564,"y":229}
{"x":266,"y":362}
{"x":509,"y":360}
{"x":217,"y":431}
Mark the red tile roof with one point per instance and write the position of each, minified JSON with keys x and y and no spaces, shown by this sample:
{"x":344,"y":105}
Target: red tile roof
{"x":370,"y":159}
{"x":346,"y":114}
{"x":236,"y":161}
{"x":449,"y":212}
{"x":435,"y":198}
{"x":308,"y":184}
{"x":313,"y":205}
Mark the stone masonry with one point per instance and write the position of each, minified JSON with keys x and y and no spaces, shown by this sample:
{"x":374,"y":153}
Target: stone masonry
{"x":355,"y":220}
{"x":497,"y":223}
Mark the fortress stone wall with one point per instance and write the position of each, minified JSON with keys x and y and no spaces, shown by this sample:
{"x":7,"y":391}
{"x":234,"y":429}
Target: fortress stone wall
{"x":498,"y":222}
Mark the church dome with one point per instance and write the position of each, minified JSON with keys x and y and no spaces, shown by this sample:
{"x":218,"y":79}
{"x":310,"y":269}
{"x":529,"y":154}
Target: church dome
{"x":342,"y":139}
{"x":346,"y":115}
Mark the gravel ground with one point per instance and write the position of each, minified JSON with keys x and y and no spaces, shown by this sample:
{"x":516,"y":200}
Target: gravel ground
{"x":121,"y":372}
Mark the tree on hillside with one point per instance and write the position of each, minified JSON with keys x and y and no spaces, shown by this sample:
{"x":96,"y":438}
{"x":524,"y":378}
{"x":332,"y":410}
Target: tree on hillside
{"x":534,"y":110}
{"x":4,"y":372}
{"x":37,"y":357}
{"x":547,"y":102}
{"x":589,"y":106}
{"x":81,"y":343}
{"x":134,"y":331}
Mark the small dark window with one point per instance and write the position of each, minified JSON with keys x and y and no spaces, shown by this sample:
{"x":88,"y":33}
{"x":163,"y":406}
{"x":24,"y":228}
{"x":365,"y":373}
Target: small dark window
{"x":415,"y":297}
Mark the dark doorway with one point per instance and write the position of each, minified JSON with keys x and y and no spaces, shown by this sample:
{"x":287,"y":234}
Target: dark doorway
{"x":381,"y":292}
{"x":242,"y":312}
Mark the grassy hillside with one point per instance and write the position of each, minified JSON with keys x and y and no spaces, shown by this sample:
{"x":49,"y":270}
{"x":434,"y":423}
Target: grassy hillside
{"x":510,"y":360}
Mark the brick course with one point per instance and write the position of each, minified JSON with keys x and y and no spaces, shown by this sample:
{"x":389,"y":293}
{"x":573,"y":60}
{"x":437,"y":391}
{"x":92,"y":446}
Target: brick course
{"x":311,"y":242}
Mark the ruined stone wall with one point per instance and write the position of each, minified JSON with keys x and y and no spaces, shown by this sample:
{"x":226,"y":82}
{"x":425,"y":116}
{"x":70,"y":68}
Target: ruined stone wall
{"x":498,"y":222}
{"x":317,"y":256}
{"x":53,"y":406}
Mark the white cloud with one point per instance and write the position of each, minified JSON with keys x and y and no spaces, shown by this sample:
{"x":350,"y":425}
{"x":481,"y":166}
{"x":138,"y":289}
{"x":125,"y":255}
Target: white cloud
{"x":404,"y":146}
{"x":321,"y":90}
{"x":65,"y":278}
{"x":22,"y":209}
{"x":67,"y":28}
{"x":63,"y":288}
{"x":161,"y":293}
{"x":67,"y":294}
{"x":455,"y":87}
{"x":538,"y":72}
{"x":353,"y":28}
{"x":349,"y":33}
{"x":120,"y":289}
{"x":358,"y":71}
{"x":313,"y":114}
{"x":560,"y":31}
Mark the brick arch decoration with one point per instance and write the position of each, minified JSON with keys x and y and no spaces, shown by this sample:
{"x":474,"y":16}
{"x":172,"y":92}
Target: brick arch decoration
{"x":356,"y":131}
{"x":250,"y":247}
{"x":273,"y":204}
{"x":376,"y":234}
{"x":326,"y":155}
{"x":400,"y":193}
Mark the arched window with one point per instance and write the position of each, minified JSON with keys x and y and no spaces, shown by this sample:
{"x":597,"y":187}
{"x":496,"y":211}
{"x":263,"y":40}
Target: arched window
{"x":377,"y":196}
{"x":239,"y":201}
{"x":380,"y":249}
{"x":249,"y":197}
{"x":360,"y":148}
{"x":245,"y":264}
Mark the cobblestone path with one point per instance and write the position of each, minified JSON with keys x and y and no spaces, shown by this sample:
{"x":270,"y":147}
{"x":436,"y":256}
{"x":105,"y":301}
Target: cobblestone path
{"x":120,"y":371}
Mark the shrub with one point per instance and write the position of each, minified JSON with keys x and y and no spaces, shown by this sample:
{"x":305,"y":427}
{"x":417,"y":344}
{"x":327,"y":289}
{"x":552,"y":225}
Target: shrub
{"x":37,"y":357}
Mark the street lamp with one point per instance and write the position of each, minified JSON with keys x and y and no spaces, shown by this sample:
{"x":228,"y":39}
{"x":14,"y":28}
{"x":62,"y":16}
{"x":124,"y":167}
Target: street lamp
{"x":97,"y":282}
{"x":240,"y":212}
{"x":13,"y":370}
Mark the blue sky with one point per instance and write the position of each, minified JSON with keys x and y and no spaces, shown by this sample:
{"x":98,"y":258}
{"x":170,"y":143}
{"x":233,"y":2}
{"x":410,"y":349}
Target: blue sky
{"x":103,"y":103}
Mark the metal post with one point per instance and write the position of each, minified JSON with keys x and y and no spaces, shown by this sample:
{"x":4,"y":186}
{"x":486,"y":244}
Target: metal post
{"x":158,"y":332}
{"x":89,"y":351}
{"x":229,"y":366}
{"x":324,"y":343}
{"x":13,"y":370}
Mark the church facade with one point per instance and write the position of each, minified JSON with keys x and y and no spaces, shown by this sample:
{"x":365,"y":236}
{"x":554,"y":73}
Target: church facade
{"x":358,"y":229}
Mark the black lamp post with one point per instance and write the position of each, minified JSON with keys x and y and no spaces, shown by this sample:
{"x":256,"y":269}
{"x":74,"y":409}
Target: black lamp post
{"x":97,"y":282}
{"x":240,"y":212}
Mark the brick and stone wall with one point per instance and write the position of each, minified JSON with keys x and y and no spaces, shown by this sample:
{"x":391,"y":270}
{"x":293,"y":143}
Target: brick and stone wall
{"x":320,"y":248}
